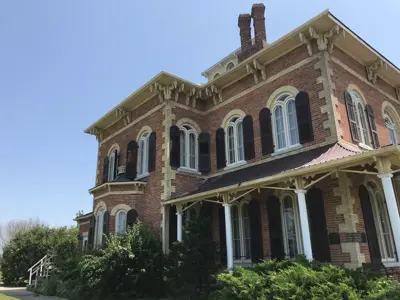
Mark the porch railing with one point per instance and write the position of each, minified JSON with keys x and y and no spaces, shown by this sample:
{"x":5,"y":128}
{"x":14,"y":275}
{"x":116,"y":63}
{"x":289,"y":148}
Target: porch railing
{"x":42,"y":268}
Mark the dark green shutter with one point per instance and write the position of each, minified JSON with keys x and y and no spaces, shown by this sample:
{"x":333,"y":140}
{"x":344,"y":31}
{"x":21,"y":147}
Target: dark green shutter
{"x":275,"y":228}
{"x":131,"y":218}
{"x":131,"y":160}
{"x":255,"y":232}
{"x":105,"y":169}
{"x":222,"y":235}
{"x":204,"y":152}
{"x":173,"y":225}
{"x":152,"y":152}
{"x":304,"y":121}
{"x":174,"y":134}
{"x":220,"y":147}
{"x":267,"y":140}
{"x":248,"y":138}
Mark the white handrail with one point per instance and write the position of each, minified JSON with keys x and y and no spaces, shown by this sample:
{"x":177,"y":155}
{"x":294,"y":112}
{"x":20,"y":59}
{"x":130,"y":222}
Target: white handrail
{"x":41,"y":267}
{"x":39,"y":261}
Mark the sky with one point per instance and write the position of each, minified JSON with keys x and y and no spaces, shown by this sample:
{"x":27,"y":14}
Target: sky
{"x":63,"y":64}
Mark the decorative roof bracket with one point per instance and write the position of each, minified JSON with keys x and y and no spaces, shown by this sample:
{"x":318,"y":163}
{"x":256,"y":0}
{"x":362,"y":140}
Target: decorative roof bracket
{"x":257,"y":70}
{"x":192,"y":96}
{"x":325,"y":40}
{"x":122,"y":113}
{"x":167,"y":92}
{"x":374,"y":68}
{"x":215,"y":93}
{"x":97,"y":132}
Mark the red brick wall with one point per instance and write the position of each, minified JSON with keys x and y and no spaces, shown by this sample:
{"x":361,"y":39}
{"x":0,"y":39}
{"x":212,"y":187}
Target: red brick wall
{"x":83,"y":227}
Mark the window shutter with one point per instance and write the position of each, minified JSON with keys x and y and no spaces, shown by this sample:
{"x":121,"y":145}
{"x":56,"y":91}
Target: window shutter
{"x":369,"y":224}
{"x":106,"y":218}
{"x":105,"y":169}
{"x":318,"y":230}
{"x":222,"y":235}
{"x":152,"y":151}
{"x":267,"y":141}
{"x":174,"y":134}
{"x":220,"y":144}
{"x":255,"y":232}
{"x":173,"y":225}
{"x":131,"y":160}
{"x":275,"y":228}
{"x":304,"y":121}
{"x":116,"y":160}
{"x":372,"y":125}
{"x":204,"y":152}
{"x":92,"y":226}
{"x":248,"y":138}
{"x":206,"y":213}
{"x":131,"y":218}
{"x":351,"y":117}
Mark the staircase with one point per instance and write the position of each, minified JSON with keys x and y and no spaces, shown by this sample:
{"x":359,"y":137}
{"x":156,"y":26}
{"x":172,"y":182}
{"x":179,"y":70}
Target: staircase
{"x":40,"y":270}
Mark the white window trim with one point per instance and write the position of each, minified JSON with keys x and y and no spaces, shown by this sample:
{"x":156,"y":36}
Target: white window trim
{"x":187,"y":133}
{"x":242,"y":260}
{"x":391,"y":126}
{"x":111,"y":163}
{"x":188,"y":170}
{"x":378,"y":226}
{"x":357,"y":99}
{"x":98,"y":239}
{"x":117,"y":216}
{"x":234,"y":125}
{"x":283,"y":104}
{"x":297,"y":225}
{"x":145,"y":139}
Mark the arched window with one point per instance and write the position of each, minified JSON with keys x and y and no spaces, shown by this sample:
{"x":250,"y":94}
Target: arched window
{"x":360,"y":119}
{"x":216,"y":75}
{"x":234,"y":141}
{"x":391,"y":127}
{"x":188,"y":148}
{"x":120,"y":222}
{"x":230,"y":66}
{"x":382,"y":223}
{"x":99,"y":227}
{"x":286,"y":131}
{"x":143,"y":155}
{"x":113,"y":164}
{"x":241,"y":231}
{"x":291,"y":226}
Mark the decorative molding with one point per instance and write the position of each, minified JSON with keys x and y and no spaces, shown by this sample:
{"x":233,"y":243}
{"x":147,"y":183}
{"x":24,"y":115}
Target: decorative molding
{"x":373,"y":70}
{"x":170,"y":92}
{"x":123,"y":114}
{"x":214,"y":92}
{"x":118,"y":207}
{"x":397,"y":89}
{"x":137,"y":187}
{"x":192,"y":95}
{"x":258,"y":70}
{"x":98,"y":133}
{"x":325,"y":40}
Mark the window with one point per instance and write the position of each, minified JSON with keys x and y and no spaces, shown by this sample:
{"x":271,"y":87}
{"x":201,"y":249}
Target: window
{"x":234,"y":141}
{"x":285,"y":122}
{"x":120,"y":222}
{"x":241,"y":231}
{"x":391,"y":127}
{"x":113,"y":164}
{"x":98,"y":238}
{"x":291,"y":226}
{"x":188,"y":148}
{"x":216,"y":75}
{"x":230,"y":66}
{"x":143,"y":159}
{"x":360,"y":121}
{"x":382,"y":224}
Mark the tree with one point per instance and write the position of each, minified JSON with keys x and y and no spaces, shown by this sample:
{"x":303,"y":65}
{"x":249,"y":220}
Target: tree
{"x":10,"y":229}
{"x":28,"y":246}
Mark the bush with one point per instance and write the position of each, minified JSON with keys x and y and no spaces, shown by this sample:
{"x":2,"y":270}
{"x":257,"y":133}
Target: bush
{"x":191,"y":263}
{"x":29,"y":246}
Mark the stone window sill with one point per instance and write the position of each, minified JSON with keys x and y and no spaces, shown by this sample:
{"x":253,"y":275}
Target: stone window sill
{"x":183,"y":170}
{"x":235,"y":165}
{"x":285,"y":150}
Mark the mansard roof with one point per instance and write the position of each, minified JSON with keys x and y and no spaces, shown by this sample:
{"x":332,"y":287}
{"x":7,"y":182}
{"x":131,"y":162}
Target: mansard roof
{"x":325,"y":28}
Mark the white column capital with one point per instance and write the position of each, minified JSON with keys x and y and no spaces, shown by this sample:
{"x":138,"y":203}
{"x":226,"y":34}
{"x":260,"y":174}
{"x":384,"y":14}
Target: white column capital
{"x":179,"y":213}
{"x":300,"y":191}
{"x":385,"y":175}
{"x":227,"y":204}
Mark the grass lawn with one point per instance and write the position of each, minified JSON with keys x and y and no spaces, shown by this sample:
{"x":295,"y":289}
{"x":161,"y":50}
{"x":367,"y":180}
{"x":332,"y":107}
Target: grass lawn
{"x":4,"y":297}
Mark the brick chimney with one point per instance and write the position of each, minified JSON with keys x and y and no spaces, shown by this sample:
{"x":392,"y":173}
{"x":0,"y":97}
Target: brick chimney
{"x":257,"y":13}
{"x":247,"y":47}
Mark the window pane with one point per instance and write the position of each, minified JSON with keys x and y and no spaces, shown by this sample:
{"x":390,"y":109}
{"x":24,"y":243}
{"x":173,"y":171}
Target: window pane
{"x":141,"y":160}
{"x":280,"y":128}
{"x":183,"y":150}
{"x":363,"y":123}
{"x":358,"y":122}
{"x":121,"y":222}
{"x":240,"y":141}
{"x":246,"y":230}
{"x":290,"y":223}
{"x":111,"y":167}
{"x":231,"y":145}
{"x":292,"y":123}
{"x":235,"y":232}
{"x":385,"y":227}
{"x":392,"y":135}
{"x":192,"y":149}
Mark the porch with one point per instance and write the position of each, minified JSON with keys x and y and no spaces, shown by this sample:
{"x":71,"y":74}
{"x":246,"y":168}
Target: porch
{"x":333,"y":204}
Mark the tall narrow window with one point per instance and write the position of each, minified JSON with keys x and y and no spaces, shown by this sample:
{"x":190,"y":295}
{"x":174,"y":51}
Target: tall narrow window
{"x":120,"y":222}
{"x":188,"y":148}
{"x":234,"y":141}
{"x":99,"y":227}
{"x":143,"y":155}
{"x":241,"y":231}
{"x":290,"y":226}
{"x":285,"y":122}
{"x":382,"y":224}
{"x":113,"y":164}
{"x":391,"y":127}
{"x":360,"y":118}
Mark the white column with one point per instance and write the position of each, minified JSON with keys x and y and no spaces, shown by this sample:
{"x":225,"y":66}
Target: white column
{"x":305,"y":230}
{"x":179,"y":226}
{"x":392,"y":208}
{"x":228,"y":229}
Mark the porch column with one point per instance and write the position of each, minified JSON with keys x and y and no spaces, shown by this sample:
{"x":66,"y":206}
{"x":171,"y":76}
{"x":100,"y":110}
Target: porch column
{"x":305,"y":230}
{"x":228,"y":228}
{"x":391,"y":203}
{"x":179,"y":225}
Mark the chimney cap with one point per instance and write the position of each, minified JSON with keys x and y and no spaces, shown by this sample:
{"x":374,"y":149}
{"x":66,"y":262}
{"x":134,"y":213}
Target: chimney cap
{"x":244,"y":19}
{"x":258,"y":10}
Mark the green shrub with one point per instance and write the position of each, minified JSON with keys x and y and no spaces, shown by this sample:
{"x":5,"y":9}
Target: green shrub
{"x":48,"y":286}
{"x":191,"y":263}
{"x":382,"y":289}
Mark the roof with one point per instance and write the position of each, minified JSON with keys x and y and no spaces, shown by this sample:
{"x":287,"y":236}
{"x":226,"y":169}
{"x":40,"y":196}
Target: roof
{"x":280,"y":165}
{"x":83,"y":217}
{"x":351,"y":44}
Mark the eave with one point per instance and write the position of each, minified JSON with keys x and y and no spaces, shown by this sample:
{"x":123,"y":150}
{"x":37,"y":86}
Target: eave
{"x":351,"y":44}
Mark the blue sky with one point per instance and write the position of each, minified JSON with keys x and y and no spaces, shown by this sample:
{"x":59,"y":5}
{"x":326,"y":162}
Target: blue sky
{"x":63,"y":64}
